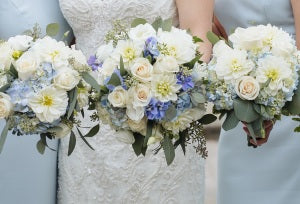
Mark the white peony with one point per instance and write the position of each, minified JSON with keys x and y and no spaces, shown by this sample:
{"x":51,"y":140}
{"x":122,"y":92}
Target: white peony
{"x":135,"y":113}
{"x":275,"y":70}
{"x":104,"y":51}
{"x":142,"y":70}
{"x":5,"y":56}
{"x":117,"y":98}
{"x":233,"y":64}
{"x":141,"y":32}
{"x":61,"y":131}
{"x":6,"y":105}
{"x":27,"y":65}
{"x":66,"y":79}
{"x":178,"y":43}
{"x":165,"y":87}
{"x":138,"y":126}
{"x":49,"y":104}
{"x":166,"y":64}
{"x":247,"y":88}
{"x":129,"y":50}
{"x":141,"y":95}
{"x":283,"y":44}
{"x":20,"y":42}
{"x":125,"y":136}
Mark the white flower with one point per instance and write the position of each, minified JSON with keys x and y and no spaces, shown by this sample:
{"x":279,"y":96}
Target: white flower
{"x":233,"y":64}
{"x":283,"y":45}
{"x":142,"y":70}
{"x":125,"y":136}
{"x":138,"y":126}
{"x":20,"y":42}
{"x":181,"y":123}
{"x":165,"y":87}
{"x":5,"y":105}
{"x":179,"y":44}
{"x":5,"y":56}
{"x":135,"y":113}
{"x":108,"y":67}
{"x":61,"y":131}
{"x":221,"y":47}
{"x":104,"y":51}
{"x":118,"y":97}
{"x":78,"y":56}
{"x":49,"y":104}
{"x":166,"y":64}
{"x":140,"y":94}
{"x":66,"y":79}
{"x":3,"y":80}
{"x":27,"y":65}
{"x":83,"y":95}
{"x":275,"y":69}
{"x":142,"y":32}
{"x":156,"y":137}
{"x":200,"y":72}
{"x":103,"y":114}
{"x":129,"y":51}
{"x":247,"y":88}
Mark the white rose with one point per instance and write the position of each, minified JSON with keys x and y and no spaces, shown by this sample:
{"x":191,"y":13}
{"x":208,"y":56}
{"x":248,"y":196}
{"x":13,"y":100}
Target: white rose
{"x":104,"y":51}
{"x":20,"y":42}
{"x":142,"y":32}
{"x":27,"y":65}
{"x":66,"y":79}
{"x":118,"y":97}
{"x":125,"y":136}
{"x":135,"y":113}
{"x":108,"y":67}
{"x":142,"y":70}
{"x":141,"y":95}
{"x":165,"y":64}
{"x":5,"y":56}
{"x":5,"y":105}
{"x":247,"y":88}
{"x":61,"y":131}
{"x":138,"y":126}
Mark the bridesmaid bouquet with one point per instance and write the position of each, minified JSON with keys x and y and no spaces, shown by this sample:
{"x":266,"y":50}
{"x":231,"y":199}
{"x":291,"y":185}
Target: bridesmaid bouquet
{"x":42,"y":87}
{"x":252,"y":80}
{"x":150,"y":89}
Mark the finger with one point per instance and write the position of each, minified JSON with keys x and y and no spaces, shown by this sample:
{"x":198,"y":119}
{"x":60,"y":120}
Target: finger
{"x":246,"y":130}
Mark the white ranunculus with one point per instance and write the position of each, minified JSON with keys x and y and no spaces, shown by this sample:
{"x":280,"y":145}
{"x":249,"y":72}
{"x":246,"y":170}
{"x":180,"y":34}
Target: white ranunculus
{"x":142,"y":70}
{"x":141,"y":95}
{"x":247,"y":88}
{"x":104,"y":51}
{"x":141,"y":32}
{"x":138,"y":126}
{"x":165,"y":64}
{"x":5,"y":105}
{"x":125,"y":136}
{"x":5,"y":56}
{"x":118,"y":97}
{"x":135,"y":113}
{"x":27,"y":65}
{"x":179,"y":44}
{"x":66,"y":79}
{"x":61,"y":131}
{"x":20,"y":42}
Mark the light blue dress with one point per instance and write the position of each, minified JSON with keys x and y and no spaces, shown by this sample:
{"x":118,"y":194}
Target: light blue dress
{"x":25,"y":175}
{"x":269,"y":174}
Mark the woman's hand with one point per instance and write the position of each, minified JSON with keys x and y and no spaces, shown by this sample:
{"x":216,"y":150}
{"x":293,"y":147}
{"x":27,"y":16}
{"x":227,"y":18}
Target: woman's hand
{"x":268,"y":126}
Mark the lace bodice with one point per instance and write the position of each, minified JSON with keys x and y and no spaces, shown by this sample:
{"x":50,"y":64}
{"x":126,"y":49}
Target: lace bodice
{"x":112,"y":173}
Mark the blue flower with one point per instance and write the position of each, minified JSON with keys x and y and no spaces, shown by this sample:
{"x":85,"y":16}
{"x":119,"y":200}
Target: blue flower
{"x":112,"y":87}
{"x":183,"y":102}
{"x":92,"y":62}
{"x":151,"y":48}
{"x":185,"y":81}
{"x":156,"y":109}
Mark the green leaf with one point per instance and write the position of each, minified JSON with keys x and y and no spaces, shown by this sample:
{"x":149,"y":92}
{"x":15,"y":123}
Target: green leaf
{"x":123,"y":72}
{"x":169,"y":150}
{"x":73,"y":99}
{"x":114,"y":80}
{"x":44,"y":140}
{"x":157,"y":23}
{"x":171,"y":113}
{"x":4,"y":135}
{"x":138,"y":144}
{"x":196,"y":39}
{"x":294,"y":105}
{"x":167,"y":25}
{"x":40,"y":147}
{"x":137,"y":22}
{"x":4,"y":88}
{"x":197,"y":98}
{"x":181,"y":141}
{"x":72,"y":143}
{"x":297,"y":129}
{"x":93,"y":131}
{"x":257,"y":108}
{"x":230,"y":122}
{"x":52,"y":29}
{"x":244,"y":111}
{"x":13,"y":72}
{"x":296,"y":119}
{"x":91,"y":81}
{"x":213,"y":38}
{"x":207,"y":119}
{"x":251,"y":130}
{"x":258,"y":128}
{"x":85,"y":141}
{"x":192,"y":63}
{"x":150,"y":125}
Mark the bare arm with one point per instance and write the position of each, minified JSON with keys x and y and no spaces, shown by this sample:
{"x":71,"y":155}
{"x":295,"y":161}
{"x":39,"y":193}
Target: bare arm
{"x":296,"y":11}
{"x":197,"y":16}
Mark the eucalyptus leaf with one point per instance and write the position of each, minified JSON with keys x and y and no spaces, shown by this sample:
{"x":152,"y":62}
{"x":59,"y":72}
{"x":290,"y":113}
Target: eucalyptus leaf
{"x":181,"y":141}
{"x":40,"y":147}
{"x":244,"y":111}
{"x":73,"y":100}
{"x":137,"y":22}
{"x":167,"y":25}
{"x":257,"y":108}
{"x":138,"y":143}
{"x":52,"y":29}
{"x":297,"y":129}
{"x":44,"y":140}
{"x":4,"y":88}
{"x":213,"y":38}
{"x":91,"y":81}
{"x":114,"y":80}
{"x":4,"y":135}
{"x":258,"y":128}
{"x":84,"y":140}
{"x":171,"y":113}
{"x":122,"y":67}
{"x":72,"y":143}
{"x":207,"y":119}
{"x":197,"y":98}
{"x":13,"y":72}
{"x":150,"y":125}
{"x":157,"y":23}
{"x":93,"y":131}
{"x":192,"y":63}
{"x":251,"y":131}
{"x":230,"y":122}
{"x":168,"y":150}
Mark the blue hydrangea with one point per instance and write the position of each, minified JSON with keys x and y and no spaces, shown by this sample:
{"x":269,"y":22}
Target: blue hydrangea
{"x":151,"y":48}
{"x":156,"y":109}
{"x":92,"y":62}
{"x":112,"y":87}
{"x":183,"y":102}
{"x":186,"y":82}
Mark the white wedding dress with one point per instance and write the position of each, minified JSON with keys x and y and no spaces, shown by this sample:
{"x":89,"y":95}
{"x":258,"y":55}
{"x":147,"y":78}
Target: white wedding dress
{"x":112,"y":173}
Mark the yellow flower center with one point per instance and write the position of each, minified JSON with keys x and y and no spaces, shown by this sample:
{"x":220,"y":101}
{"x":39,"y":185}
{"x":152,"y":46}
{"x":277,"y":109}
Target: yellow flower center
{"x":163,"y":88}
{"x":272,"y":74}
{"x":17,"y":54}
{"x":47,"y":100}
{"x":129,"y":53}
{"x":235,"y":66}
{"x":172,"y":51}
{"x":54,"y":54}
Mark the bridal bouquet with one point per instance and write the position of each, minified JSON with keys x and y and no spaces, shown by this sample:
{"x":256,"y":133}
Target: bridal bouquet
{"x":150,"y":89}
{"x":252,"y":80}
{"x":41,"y":87}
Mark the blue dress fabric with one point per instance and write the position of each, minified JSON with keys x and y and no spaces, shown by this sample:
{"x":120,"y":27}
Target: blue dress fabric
{"x":270,"y":173}
{"x":25,"y":175}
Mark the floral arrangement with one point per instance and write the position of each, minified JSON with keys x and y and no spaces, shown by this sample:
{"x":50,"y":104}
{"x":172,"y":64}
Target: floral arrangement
{"x":252,"y":80}
{"x":42,"y":87}
{"x":149,"y":86}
